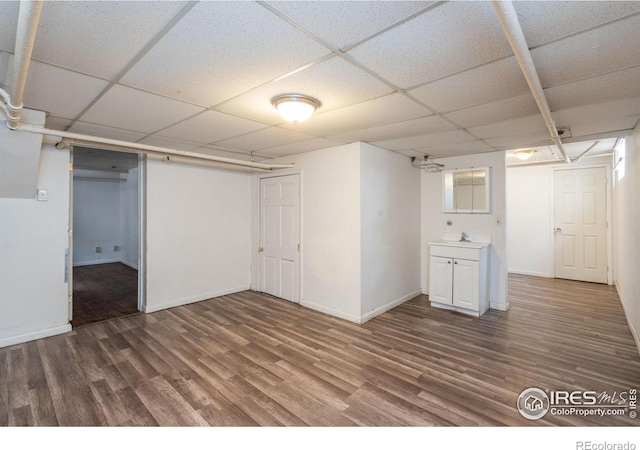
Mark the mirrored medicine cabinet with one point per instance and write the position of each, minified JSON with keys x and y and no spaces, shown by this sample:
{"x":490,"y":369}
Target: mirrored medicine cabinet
{"x":467,"y":190}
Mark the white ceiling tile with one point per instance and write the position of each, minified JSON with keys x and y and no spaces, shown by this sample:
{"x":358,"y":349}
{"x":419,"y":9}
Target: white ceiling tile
{"x":496,"y":81}
{"x":265,"y":138}
{"x":108,"y":34}
{"x":499,"y":111}
{"x":520,"y":141}
{"x":605,"y":126}
{"x":545,"y":21}
{"x":221,"y":49}
{"x":409,"y":153}
{"x":173,"y":144}
{"x":413,"y":127}
{"x":426,"y":140}
{"x":57,"y":123}
{"x":9,"y":15}
{"x":379,"y":111}
{"x":72,"y":93}
{"x":512,"y":127}
{"x":106,"y":132}
{"x":612,"y":86}
{"x":448,"y":39}
{"x":130,"y":109}
{"x":335,"y":83}
{"x":346,"y":22}
{"x":298,"y":147}
{"x":595,"y":113}
{"x":599,"y":51}
{"x":211,"y":126}
{"x":463,"y":148}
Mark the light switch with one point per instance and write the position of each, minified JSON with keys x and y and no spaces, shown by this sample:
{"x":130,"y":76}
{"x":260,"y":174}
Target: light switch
{"x":43,"y":195}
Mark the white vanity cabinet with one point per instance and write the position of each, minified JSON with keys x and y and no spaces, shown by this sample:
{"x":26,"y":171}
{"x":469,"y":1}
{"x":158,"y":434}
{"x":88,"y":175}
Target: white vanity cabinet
{"x":458,"y":276}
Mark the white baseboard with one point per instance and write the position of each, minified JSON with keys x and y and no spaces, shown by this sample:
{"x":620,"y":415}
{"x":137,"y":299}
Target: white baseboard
{"x":499,"y":306}
{"x":332,"y":312}
{"x":531,"y":274}
{"x":127,"y":263}
{"x":634,"y":332}
{"x":93,"y":263}
{"x":185,"y":301}
{"x":383,"y":309}
{"x":27,"y":337}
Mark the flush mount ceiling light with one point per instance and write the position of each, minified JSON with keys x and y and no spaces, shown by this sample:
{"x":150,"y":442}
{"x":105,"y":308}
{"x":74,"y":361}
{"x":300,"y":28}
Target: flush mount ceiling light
{"x":295,"y":107}
{"x":523,"y":155}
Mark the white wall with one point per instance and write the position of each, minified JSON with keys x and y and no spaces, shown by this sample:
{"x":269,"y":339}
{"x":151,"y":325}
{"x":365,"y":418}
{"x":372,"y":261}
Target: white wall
{"x":626,"y":220}
{"x":96,"y":219}
{"x":529,"y":236}
{"x":530,"y":221}
{"x":198,"y":233}
{"x":330,"y":219}
{"x":390,"y":240}
{"x":33,"y":239}
{"x":105,"y":214}
{"x":434,"y":220}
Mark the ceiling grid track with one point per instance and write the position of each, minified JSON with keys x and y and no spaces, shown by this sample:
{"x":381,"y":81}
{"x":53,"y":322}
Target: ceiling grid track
{"x":165,"y":29}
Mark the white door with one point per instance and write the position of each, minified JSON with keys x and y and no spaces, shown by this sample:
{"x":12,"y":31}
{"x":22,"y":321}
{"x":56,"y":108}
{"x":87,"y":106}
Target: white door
{"x":280,"y":237}
{"x":580,"y":214}
{"x":440,"y":280}
{"x":466,"y":279}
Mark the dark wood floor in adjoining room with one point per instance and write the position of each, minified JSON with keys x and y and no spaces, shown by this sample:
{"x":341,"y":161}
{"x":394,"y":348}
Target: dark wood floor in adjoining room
{"x":249,"y":359}
{"x":103,"y":292}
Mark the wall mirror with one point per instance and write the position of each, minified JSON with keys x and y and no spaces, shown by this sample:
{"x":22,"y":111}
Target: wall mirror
{"x":466,"y":190}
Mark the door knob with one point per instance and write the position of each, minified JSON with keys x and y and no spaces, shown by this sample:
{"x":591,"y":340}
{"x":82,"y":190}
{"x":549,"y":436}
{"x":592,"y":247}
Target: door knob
{"x":260,"y":249}
{"x":558,"y":230}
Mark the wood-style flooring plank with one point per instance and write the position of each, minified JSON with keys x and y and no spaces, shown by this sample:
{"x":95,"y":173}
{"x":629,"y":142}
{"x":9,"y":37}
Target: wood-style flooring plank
{"x":249,"y":359}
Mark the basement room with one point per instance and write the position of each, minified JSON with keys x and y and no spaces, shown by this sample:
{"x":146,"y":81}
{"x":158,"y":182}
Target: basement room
{"x":295,"y":220}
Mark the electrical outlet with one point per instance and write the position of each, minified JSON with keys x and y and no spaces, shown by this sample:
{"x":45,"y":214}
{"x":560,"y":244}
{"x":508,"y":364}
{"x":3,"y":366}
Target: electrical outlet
{"x":116,"y":248}
{"x":98,"y":249}
{"x":43,"y":195}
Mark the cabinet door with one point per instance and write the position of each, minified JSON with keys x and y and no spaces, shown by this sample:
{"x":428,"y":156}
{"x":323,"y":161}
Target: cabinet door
{"x":466,"y":283}
{"x":441,"y":280}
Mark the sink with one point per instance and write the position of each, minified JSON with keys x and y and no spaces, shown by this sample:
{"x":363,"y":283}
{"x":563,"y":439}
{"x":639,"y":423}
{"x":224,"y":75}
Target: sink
{"x":462,"y":244}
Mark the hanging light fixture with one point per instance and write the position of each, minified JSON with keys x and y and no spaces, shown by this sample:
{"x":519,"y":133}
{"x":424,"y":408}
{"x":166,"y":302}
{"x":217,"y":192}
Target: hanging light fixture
{"x":427,"y":164}
{"x":523,"y":155}
{"x":295,"y":107}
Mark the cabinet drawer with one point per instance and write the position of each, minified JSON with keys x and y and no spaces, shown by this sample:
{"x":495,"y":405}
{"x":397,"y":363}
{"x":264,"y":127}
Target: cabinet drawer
{"x":472,"y":254}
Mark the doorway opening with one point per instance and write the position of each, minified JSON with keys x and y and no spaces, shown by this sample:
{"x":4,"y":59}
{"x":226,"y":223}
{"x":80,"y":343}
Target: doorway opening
{"x":106,"y":273}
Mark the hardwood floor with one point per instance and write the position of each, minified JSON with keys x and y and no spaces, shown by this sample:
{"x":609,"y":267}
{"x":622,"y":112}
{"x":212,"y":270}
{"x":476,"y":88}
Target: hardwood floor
{"x":249,"y":359}
{"x":103,"y":292}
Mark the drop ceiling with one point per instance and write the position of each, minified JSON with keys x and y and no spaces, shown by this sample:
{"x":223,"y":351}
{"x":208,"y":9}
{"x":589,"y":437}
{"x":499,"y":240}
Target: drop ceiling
{"x":422,"y":77}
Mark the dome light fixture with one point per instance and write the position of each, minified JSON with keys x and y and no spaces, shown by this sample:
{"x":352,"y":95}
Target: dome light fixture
{"x":523,"y":155}
{"x":295,"y":107}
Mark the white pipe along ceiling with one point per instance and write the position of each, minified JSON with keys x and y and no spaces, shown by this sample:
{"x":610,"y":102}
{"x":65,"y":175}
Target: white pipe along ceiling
{"x":11,"y":104}
{"x":512,"y":29}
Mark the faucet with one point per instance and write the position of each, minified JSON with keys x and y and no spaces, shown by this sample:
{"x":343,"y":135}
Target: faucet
{"x":464,"y":237}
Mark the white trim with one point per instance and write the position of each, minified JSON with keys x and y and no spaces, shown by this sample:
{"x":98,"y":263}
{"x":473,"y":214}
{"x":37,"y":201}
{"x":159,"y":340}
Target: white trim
{"x":332,"y":312}
{"x":96,"y":262}
{"x":634,"y":332}
{"x":194,"y":299}
{"x":384,"y":308}
{"x":27,"y":337}
{"x":499,"y":306}
{"x":531,"y":274}
{"x":130,"y":264}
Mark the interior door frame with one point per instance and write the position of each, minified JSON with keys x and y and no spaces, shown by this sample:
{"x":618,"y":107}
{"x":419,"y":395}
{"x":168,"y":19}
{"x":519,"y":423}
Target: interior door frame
{"x":142,"y":234}
{"x":257,"y":228}
{"x":609,"y":176}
